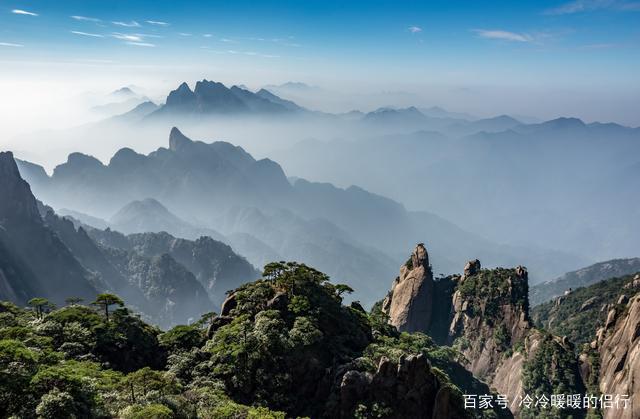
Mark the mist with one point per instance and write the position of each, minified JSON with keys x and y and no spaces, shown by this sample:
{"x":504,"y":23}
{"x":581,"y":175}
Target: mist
{"x":480,"y":176}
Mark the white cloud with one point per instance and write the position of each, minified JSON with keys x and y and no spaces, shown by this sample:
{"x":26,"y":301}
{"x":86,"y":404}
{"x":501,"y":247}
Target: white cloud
{"x":157,"y":22}
{"x":125,"y":37}
{"x":147,"y":35}
{"x":414,"y":29}
{"x":85,"y":18}
{"x":184,"y":34}
{"x":207,"y":35}
{"x":504,"y":35}
{"x":23,"y":12}
{"x":141,"y":44}
{"x":579,"y":6}
{"x":94,"y":35}
{"x":9,"y":44}
{"x":132,"y":24}
{"x":249,"y":53}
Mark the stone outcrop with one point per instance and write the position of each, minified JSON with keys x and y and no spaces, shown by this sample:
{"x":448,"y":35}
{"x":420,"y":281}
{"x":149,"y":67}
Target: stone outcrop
{"x":619,"y":348}
{"x":485,"y":313}
{"x":472,"y":267}
{"x":409,"y":388}
{"x":489,"y":322}
{"x":410,"y":302}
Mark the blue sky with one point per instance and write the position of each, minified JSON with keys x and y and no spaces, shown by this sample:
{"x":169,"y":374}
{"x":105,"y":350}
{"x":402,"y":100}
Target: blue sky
{"x":586,"y":46}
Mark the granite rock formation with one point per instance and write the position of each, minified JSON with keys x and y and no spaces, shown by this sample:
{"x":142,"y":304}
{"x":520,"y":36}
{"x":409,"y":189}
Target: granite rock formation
{"x":409,"y":304}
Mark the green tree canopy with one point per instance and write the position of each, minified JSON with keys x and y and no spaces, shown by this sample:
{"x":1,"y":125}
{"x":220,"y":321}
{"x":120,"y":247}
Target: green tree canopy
{"x":40,"y":304}
{"x":106,"y":300}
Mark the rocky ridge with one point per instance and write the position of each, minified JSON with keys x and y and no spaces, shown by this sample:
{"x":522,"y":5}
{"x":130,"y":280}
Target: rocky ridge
{"x":610,"y":363}
{"x":487,"y":316}
{"x":619,"y":347}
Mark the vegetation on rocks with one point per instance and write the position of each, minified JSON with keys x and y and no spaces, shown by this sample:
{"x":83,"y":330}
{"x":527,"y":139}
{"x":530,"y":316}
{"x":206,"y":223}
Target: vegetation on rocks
{"x":488,"y":289}
{"x":580,"y":313}
{"x":286,"y":344}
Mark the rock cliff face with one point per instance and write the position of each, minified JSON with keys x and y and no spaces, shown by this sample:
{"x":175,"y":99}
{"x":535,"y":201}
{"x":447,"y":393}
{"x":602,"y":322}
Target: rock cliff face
{"x":409,"y":389}
{"x":619,"y":347}
{"x":486,"y":316}
{"x":410,"y":302}
{"x":214,"y":264}
{"x":32,"y":257}
{"x":490,"y":315}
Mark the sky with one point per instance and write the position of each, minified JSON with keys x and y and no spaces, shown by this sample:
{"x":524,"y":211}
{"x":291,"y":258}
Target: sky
{"x":537,"y":58}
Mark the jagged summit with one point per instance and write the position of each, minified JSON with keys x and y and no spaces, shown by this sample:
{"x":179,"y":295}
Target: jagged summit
{"x":410,"y":302}
{"x":177,"y":140}
{"x":211,"y":97}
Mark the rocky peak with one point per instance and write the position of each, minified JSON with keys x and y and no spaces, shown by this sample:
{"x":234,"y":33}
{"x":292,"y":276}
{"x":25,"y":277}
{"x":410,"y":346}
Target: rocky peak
{"x":207,"y":87}
{"x":177,"y":140}
{"x":472,"y":267}
{"x":17,"y":200}
{"x":181,"y":96}
{"x":126,"y":158}
{"x":77,"y":166}
{"x":410,"y":302}
{"x":410,"y":387}
{"x":420,"y":257}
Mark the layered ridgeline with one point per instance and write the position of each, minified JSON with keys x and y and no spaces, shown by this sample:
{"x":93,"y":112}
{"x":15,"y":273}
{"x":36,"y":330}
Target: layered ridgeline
{"x":283,"y":346}
{"x":485,"y":176}
{"x":211,"y":98}
{"x":549,"y":290}
{"x":193,"y":187}
{"x":484,"y":314}
{"x":168,"y":280}
{"x":603,"y":319}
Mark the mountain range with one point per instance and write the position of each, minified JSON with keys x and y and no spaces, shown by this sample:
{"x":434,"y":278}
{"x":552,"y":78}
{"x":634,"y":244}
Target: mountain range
{"x":481,"y":177}
{"x":519,"y":184}
{"x":220,"y":190}
{"x":209,"y":97}
{"x":584,"y":277}
{"x":168,"y":280}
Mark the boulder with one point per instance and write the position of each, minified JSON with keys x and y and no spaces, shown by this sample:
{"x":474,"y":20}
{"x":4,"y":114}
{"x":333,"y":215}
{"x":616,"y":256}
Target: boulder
{"x":279,"y":301}
{"x":588,"y":304}
{"x":472,"y":267}
{"x":217,"y":323}
{"x":229,"y":304}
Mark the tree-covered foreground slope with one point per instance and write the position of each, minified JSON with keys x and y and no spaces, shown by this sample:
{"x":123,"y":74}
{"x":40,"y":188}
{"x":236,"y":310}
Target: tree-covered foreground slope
{"x":283,"y":346}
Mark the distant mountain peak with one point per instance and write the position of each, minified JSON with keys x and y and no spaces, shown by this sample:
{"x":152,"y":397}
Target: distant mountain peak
{"x":211,"y":97}
{"x":123,"y":91}
{"x":126,"y":158}
{"x":184,"y":87}
{"x":503,"y":118}
{"x":83,"y":160}
{"x":177,"y":140}
{"x":147,"y":204}
{"x":181,"y":96}
{"x":565,"y":122}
